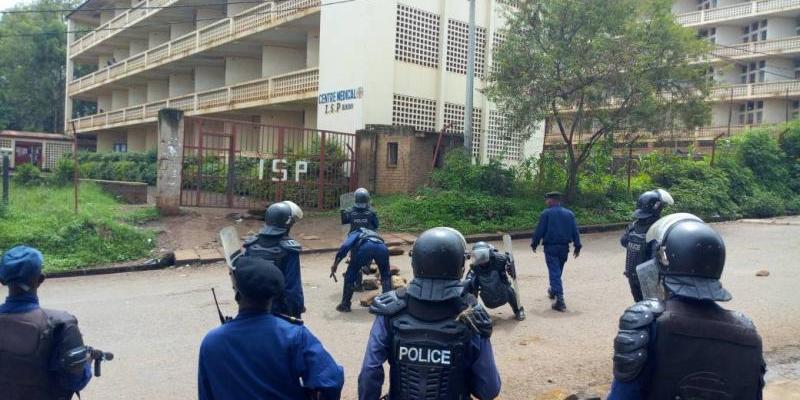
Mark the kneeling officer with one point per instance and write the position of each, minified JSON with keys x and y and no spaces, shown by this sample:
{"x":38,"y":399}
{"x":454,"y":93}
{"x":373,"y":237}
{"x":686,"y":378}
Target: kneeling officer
{"x":488,"y":277}
{"x":687,"y":347}
{"x":42,"y":356}
{"x":364,"y":246}
{"x":434,"y":335}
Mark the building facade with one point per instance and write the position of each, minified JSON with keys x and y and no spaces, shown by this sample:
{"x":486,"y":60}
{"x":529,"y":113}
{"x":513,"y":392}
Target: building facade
{"x":319,"y":64}
{"x":755,"y":60}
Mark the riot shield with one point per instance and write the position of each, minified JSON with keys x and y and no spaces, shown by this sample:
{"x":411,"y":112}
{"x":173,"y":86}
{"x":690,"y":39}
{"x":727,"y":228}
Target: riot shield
{"x":509,"y":250}
{"x":346,"y":201}
{"x":647,"y":272}
{"x":231,"y":246}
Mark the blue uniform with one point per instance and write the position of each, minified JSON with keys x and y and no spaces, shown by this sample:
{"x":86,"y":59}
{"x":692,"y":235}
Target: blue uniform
{"x":258,"y":355}
{"x":28,"y":302}
{"x":484,"y":379}
{"x":294,"y":286}
{"x":362,"y":253}
{"x":556,"y":230}
{"x":285,"y":252}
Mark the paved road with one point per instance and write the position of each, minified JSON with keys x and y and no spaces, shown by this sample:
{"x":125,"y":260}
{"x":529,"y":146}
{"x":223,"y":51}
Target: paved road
{"x":154,"y":321}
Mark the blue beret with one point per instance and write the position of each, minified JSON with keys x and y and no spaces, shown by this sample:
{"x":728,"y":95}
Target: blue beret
{"x":20,"y":265}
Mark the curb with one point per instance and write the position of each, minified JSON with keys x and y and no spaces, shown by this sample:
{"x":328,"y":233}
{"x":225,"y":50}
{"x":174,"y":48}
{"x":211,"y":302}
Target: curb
{"x":169,"y":260}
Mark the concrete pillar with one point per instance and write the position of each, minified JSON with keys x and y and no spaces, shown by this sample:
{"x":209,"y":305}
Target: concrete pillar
{"x":157,"y":90}
{"x":170,"y":161}
{"x":312,"y":49}
{"x":156,"y":38}
{"x":241,"y":69}
{"x":119,"y":99}
{"x":180,"y":84}
{"x":207,"y":78}
{"x":69,"y":72}
{"x":207,"y":16}
{"x":137,"y":95}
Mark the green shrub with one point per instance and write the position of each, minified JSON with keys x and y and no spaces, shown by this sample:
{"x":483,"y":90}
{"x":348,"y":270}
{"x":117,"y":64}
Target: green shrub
{"x":458,"y":173}
{"x":27,"y":175}
{"x":763,"y":204}
{"x":63,"y":172}
{"x":790,"y":140}
{"x":793,"y":205}
{"x":758,"y":151}
{"x":127,"y":167}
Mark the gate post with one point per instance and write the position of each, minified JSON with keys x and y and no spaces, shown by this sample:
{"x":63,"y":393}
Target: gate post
{"x":170,"y":161}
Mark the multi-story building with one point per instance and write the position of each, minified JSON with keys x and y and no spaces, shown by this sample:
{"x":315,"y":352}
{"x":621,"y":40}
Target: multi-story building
{"x":755,"y":60}
{"x":335,"y":65}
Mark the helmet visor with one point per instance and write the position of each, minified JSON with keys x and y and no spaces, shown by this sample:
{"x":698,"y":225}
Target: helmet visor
{"x":481,"y":255}
{"x":297,"y":212}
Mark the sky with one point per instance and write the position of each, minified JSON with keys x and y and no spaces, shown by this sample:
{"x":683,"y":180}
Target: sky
{"x":6,"y":4}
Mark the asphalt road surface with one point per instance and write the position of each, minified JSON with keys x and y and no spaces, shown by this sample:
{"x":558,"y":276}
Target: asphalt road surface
{"x":154,"y":321}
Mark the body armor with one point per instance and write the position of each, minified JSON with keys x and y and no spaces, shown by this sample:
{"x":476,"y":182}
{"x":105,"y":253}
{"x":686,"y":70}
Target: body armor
{"x":27,"y":341}
{"x":360,"y":218}
{"x":274,"y":248}
{"x":637,"y":253}
{"x":492,"y":281}
{"x":430,"y":349}
{"x":722,"y":354}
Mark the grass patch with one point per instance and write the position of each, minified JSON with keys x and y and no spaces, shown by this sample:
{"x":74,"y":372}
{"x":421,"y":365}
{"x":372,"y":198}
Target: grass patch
{"x":100,"y":233}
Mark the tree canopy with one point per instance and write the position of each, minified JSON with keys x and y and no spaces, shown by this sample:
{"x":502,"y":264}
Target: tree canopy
{"x":591,"y":68}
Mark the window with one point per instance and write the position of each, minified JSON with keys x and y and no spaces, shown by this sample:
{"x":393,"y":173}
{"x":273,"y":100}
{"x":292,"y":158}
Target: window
{"x":751,"y":113}
{"x":709,"y":34}
{"x":795,"y":109}
{"x":753,"y":72}
{"x":755,"y":32}
{"x":458,"y":46}
{"x":797,"y":68}
{"x":120,"y":147}
{"x":501,"y":142}
{"x":391,"y":154}
{"x":417,"y":37}
{"x":706,"y":4}
{"x":414,"y":111}
{"x":455,"y":114}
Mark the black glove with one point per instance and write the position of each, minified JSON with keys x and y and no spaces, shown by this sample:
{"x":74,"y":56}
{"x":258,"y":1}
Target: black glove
{"x":576,"y":252}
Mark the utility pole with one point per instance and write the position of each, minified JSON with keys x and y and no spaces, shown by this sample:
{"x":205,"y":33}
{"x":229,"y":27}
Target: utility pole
{"x":470,"y":81}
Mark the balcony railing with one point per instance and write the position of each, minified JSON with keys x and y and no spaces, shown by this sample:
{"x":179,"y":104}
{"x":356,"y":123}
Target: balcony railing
{"x":749,"y":9}
{"x":553,"y":137}
{"x":293,"y":86}
{"x":257,"y":19}
{"x":757,"y":90}
{"x":117,"y":24}
{"x":757,"y":49}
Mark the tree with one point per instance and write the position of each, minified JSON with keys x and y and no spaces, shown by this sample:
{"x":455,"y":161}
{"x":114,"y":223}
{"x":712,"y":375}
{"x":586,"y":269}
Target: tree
{"x":32,"y":67}
{"x":591,"y":68}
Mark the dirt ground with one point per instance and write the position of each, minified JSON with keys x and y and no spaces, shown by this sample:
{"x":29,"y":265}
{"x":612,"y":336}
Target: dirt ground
{"x":154,"y":321}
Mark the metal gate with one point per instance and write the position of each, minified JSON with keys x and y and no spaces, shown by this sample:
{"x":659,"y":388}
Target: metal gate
{"x":244,"y":165}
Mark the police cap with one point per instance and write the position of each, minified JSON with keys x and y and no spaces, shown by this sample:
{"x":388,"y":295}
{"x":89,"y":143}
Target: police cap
{"x":20,"y":265}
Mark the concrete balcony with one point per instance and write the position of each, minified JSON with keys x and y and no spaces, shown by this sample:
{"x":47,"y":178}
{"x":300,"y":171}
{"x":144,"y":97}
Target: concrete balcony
{"x":753,"y":9}
{"x":117,"y":24}
{"x":755,"y":49}
{"x":286,"y":88}
{"x":754,"y":91}
{"x":255,"y":20}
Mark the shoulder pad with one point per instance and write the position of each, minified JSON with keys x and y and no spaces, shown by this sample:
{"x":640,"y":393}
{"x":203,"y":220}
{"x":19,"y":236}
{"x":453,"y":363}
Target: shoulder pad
{"x":290,"y":244}
{"x":477,"y":319}
{"x":640,"y":314}
{"x":633,"y":338}
{"x":58,"y":317}
{"x":250,"y":240}
{"x":290,"y":319}
{"x":743,"y":319}
{"x":388,"y":304}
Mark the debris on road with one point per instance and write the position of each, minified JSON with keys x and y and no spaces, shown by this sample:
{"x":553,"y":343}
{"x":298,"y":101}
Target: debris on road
{"x":763,"y":272}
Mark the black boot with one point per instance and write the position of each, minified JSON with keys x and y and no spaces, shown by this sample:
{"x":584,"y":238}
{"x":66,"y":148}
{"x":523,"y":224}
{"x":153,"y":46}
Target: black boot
{"x":550,"y":294}
{"x":347,"y":295}
{"x":519,"y":312}
{"x":559,"y":304}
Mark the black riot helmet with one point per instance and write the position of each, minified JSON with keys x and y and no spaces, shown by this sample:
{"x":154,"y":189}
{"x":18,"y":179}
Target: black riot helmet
{"x":361,"y":198}
{"x":691,"y":257}
{"x":280,"y":217}
{"x":481,"y":253}
{"x":651,"y":203}
{"x":439,"y":253}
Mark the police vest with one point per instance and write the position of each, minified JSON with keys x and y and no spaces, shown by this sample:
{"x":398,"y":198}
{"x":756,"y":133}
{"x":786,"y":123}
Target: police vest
{"x":637,"y":251}
{"x":361,"y":218}
{"x":26,"y":344}
{"x":429,"y":360}
{"x":276,"y":249}
{"x":720,"y":350}
{"x":492,"y":281}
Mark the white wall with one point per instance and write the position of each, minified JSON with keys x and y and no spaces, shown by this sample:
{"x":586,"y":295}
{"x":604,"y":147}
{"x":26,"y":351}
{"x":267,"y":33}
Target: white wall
{"x":775,"y":111}
{"x":156,"y":38}
{"x":729,"y":35}
{"x":180,"y":84}
{"x":234,"y":8}
{"x":684,"y":6}
{"x":157,"y":90}
{"x":119,"y":99}
{"x":778,"y":28}
{"x":137,"y":95}
{"x":312,"y":49}
{"x":104,"y":103}
{"x":207,"y":16}
{"x":138,"y":46}
{"x":178,"y":30}
{"x":241,"y":69}
{"x":282,"y":118}
{"x":206,"y":78}
{"x":779,"y":69}
{"x":121,"y":53}
{"x":280,"y":60}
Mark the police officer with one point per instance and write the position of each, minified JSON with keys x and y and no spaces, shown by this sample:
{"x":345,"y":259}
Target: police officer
{"x":364,"y":246}
{"x":556,"y":230}
{"x":687,"y":347}
{"x":434,"y":335}
{"x":488,"y":277}
{"x":274,"y":243}
{"x":361,"y":215}
{"x":261,"y":354}
{"x":42,"y":356}
{"x":648,"y":211}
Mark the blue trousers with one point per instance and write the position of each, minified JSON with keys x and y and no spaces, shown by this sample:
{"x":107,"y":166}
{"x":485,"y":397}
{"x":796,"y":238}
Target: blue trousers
{"x":556,"y":256}
{"x":363,"y":256}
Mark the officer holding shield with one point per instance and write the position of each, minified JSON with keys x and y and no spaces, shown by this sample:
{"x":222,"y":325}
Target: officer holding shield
{"x":434,"y":335}
{"x":680,"y":344}
{"x":488,"y":278}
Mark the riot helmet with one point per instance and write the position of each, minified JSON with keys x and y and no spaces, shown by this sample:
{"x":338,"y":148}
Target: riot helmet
{"x":439,"y":253}
{"x":361,"y":198}
{"x":651,"y":203}
{"x":481,"y":253}
{"x":280,"y":217}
